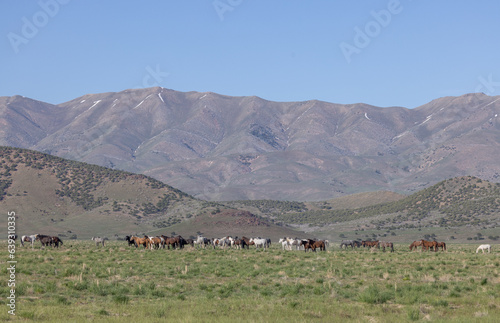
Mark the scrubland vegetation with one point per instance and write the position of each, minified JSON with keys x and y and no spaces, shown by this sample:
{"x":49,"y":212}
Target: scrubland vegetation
{"x":116,"y":283}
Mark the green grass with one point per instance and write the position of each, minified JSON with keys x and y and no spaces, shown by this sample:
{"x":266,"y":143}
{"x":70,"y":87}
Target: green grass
{"x":81,"y":282}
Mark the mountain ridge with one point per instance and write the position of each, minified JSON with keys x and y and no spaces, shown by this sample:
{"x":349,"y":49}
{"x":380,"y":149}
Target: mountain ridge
{"x":219,"y":147}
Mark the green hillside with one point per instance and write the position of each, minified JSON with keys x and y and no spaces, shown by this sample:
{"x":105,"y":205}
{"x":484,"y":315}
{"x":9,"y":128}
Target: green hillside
{"x":463,"y":208}
{"x":456,"y":202}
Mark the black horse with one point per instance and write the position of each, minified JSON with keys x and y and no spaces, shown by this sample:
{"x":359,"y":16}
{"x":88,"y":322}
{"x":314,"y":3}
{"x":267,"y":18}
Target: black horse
{"x":130,"y":241}
{"x":44,"y":240}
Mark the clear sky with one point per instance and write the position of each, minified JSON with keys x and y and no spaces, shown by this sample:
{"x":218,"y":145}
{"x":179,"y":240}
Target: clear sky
{"x":384,"y":53}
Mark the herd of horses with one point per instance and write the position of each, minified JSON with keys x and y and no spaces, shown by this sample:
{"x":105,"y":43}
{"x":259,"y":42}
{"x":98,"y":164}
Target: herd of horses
{"x":428,"y":245}
{"x":287,"y":243}
{"x":178,"y":242}
{"x":45,"y":240}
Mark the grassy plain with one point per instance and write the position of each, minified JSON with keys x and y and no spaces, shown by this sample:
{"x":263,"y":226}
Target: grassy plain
{"x":80,"y":282}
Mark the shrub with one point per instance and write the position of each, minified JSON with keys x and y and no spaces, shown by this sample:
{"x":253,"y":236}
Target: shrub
{"x":372,"y":295}
{"x":121,"y":299}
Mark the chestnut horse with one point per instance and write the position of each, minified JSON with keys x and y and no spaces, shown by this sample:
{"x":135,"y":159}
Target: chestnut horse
{"x":426,"y":245}
{"x":415,"y":244}
{"x":175,"y":242}
{"x":154,"y":242}
{"x":318,"y":244}
{"x":139,"y":241}
{"x":241,"y":244}
{"x":369,"y":244}
{"x":56,"y":241}
{"x":441,"y":245}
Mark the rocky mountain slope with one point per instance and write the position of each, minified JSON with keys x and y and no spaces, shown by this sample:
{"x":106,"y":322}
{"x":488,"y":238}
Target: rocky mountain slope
{"x":218,"y":147}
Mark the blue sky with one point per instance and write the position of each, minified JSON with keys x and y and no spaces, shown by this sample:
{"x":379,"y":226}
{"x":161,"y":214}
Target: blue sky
{"x":384,"y":53}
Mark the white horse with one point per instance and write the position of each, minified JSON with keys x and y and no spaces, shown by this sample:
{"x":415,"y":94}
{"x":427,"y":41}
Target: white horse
{"x":31,"y":238}
{"x":285,"y":244}
{"x":484,"y":247}
{"x":295,"y":242}
{"x":259,"y":242}
{"x":99,"y":240}
{"x":231,"y":241}
{"x":202,"y":241}
{"x":222,"y":242}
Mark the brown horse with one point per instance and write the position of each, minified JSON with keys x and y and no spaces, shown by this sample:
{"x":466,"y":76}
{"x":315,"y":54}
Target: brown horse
{"x":318,"y":244}
{"x":247,"y":241}
{"x":140,"y":241}
{"x":175,"y":242}
{"x":154,"y":242}
{"x":56,"y":241}
{"x":426,"y":245}
{"x":415,"y":244}
{"x":170,"y":241}
{"x":307,"y":243}
{"x":190,"y":242}
{"x":369,"y":244}
{"x":163,"y":240}
{"x":241,"y":244}
{"x":441,"y":245}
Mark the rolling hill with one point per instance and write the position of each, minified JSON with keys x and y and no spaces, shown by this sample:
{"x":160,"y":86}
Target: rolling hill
{"x":218,"y":147}
{"x":52,"y":195}
{"x":72,"y":199}
{"x":464,"y":207}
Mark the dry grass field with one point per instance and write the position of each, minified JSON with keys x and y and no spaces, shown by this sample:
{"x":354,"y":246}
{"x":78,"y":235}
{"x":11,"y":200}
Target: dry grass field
{"x":117,"y":283}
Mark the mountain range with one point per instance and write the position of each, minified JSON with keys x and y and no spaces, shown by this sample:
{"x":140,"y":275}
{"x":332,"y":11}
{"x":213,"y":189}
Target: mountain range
{"x":219,"y":147}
